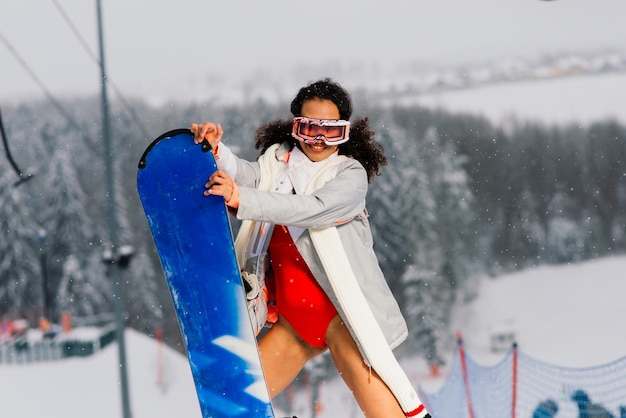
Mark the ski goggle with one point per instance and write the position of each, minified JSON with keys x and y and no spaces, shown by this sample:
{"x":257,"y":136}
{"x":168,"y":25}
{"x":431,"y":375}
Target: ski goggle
{"x":311,"y":131}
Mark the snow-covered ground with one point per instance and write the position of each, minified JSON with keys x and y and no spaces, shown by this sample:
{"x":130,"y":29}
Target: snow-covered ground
{"x":89,"y":386}
{"x":567,"y":315}
{"x":583,"y":99}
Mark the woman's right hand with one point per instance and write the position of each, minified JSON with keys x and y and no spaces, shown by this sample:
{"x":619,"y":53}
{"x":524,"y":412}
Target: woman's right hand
{"x":208,"y":130}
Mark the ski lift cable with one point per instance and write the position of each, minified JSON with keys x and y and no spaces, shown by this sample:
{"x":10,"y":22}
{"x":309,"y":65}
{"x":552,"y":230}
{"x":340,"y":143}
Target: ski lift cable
{"x":68,"y":116}
{"x":38,"y":81}
{"x":76,"y":32}
{"x":94,"y":57}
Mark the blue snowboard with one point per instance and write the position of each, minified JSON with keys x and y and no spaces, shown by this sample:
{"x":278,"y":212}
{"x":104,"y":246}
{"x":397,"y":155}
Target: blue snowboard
{"x":194,"y":241}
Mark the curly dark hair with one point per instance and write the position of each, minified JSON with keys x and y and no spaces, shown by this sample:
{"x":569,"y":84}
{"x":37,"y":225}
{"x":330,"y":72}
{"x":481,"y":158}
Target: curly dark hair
{"x":324,"y":89}
{"x":362,"y":146}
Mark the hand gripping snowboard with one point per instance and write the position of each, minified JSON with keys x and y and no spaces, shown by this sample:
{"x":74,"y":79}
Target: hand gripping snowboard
{"x":194,"y":241}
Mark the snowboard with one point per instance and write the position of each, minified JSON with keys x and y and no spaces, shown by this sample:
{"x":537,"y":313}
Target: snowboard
{"x":194,"y":241}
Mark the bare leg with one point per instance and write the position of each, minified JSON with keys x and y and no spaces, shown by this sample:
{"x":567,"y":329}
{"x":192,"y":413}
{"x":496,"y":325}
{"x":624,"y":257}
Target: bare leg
{"x":283,"y":354}
{"x":371,"y":393}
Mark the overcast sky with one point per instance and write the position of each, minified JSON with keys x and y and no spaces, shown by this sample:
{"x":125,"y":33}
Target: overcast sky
{"x":159,"y":48}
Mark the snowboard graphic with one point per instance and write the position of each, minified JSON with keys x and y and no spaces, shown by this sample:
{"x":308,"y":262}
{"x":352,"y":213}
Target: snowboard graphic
{"x":194,"y":241}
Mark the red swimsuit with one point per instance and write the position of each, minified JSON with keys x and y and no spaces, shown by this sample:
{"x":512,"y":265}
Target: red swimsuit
{"x":299,"y":298}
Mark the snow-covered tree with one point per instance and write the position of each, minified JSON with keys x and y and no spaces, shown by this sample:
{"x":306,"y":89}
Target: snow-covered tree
{"x":428,"y":309}
{"x":538,"y":194}
{"x":442,"y":260}
{"x":78,"y":294}
{"x":454,"y":205}
{"x":401,"y":207}
{"x":21,"y":282}
{"x":142,"y":285}
{"x":421,"y":211}
{"x":606,"y":180}
{"x":62,"y":212}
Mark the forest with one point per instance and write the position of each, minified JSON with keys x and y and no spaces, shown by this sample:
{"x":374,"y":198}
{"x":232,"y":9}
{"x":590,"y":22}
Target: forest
{"x":461,"y":198}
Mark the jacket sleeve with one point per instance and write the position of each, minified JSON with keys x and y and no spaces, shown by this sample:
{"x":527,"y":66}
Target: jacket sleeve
{"x":338,"y":201}
{"x":245,"y":173}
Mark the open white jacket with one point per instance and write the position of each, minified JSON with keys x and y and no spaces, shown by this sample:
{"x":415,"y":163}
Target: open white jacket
{"x":336,"y":242}
{"x":341,"y":203}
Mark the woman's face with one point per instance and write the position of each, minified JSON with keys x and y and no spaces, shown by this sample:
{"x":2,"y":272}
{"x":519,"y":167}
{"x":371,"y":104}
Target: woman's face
{"x":319,"y":109}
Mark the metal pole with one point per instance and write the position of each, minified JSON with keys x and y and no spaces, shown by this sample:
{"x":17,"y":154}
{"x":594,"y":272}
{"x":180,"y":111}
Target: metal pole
{"x":43,"y":262}
{"x":113,"y":224}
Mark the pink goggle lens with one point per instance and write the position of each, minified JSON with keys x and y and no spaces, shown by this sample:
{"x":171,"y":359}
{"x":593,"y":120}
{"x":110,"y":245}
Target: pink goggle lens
{"x":311,"y":131}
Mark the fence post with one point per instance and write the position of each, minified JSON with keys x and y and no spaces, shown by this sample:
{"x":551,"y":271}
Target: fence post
{"x":468,"y":396}
{"x":514,"y":382}
{"x":66,"y":321}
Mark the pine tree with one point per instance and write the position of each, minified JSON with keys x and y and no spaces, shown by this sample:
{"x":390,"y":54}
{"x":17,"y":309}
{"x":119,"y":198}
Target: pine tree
{"x":605,"y":158}
{"x":401,"y":207}
{"x":21,"y":283}
{"x":142,"y":285}
{"x":431,"y":282}
{"x":78,"y":295}
{"x":63,"y":214}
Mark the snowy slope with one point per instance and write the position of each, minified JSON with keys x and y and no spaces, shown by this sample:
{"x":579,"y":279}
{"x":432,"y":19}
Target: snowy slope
{"x":89,"y":386}
{"x":567,"y":315}
{"x":564,"y":100}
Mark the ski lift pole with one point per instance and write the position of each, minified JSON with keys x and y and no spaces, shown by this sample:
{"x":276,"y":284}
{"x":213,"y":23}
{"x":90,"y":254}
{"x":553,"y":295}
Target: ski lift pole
{"x":115,"y":275}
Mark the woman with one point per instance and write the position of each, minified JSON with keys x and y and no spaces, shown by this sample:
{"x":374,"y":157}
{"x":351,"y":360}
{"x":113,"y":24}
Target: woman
{"x":306,"y":235}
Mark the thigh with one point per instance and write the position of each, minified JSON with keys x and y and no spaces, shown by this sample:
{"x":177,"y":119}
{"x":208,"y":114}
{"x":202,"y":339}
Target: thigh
{"x":283,"y":354}
{"x":370,"y":392}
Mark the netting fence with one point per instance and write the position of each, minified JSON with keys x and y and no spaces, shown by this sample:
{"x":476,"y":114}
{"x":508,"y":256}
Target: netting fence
{"x":520,"y":386}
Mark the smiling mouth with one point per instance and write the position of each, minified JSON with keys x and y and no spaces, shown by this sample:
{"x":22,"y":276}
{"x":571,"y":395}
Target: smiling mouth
{"x":317,"y":147}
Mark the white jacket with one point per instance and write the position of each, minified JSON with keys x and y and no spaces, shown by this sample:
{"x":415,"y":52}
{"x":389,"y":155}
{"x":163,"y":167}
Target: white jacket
{"x":341,"y":203}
